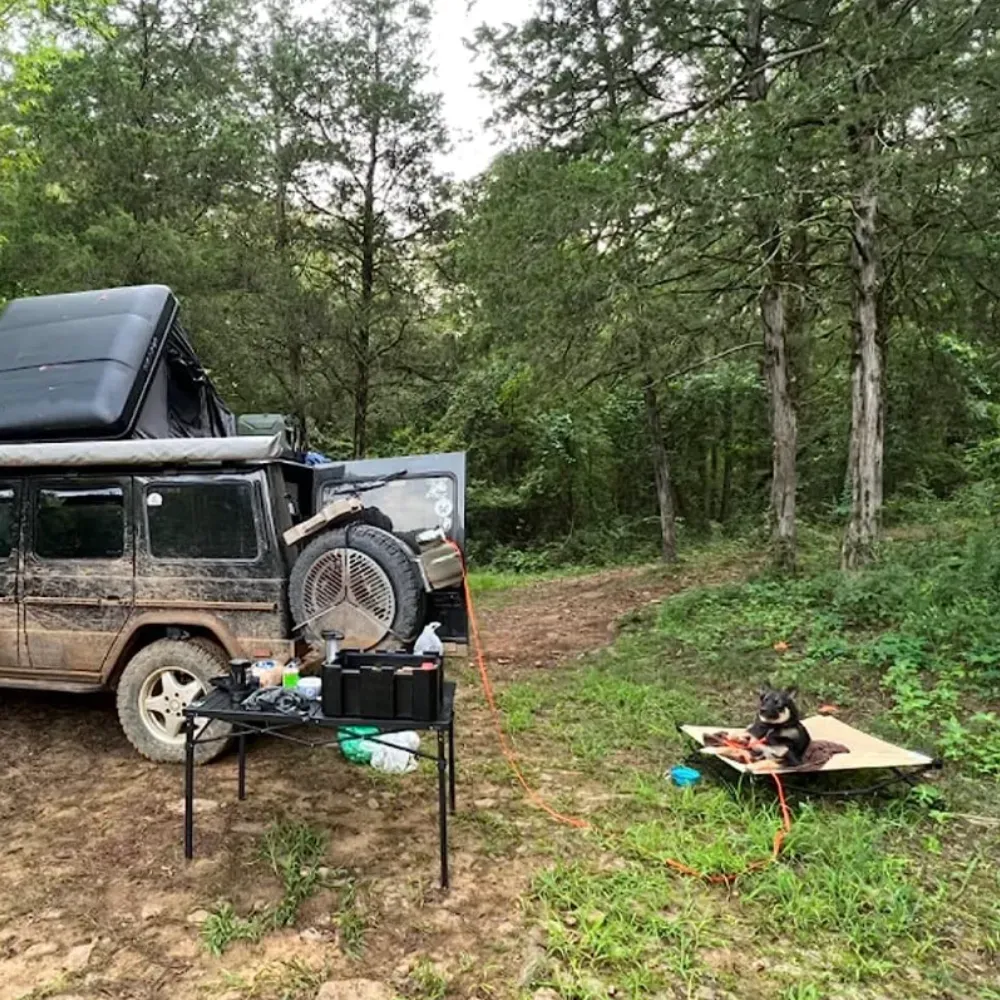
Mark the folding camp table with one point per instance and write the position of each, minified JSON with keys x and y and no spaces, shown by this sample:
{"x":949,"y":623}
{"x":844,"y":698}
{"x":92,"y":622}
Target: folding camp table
{"x":219,"y":706}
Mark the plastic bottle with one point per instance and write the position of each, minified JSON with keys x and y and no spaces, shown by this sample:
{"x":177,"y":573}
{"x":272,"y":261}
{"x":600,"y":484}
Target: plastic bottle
{"x":428,"y":642}
{"x":290,"y":675}
{"x":394,"y":759}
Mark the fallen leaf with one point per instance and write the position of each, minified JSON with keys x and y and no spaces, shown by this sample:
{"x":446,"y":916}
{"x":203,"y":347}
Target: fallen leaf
{"x":828,"y":710}
{"x":781,"y":647}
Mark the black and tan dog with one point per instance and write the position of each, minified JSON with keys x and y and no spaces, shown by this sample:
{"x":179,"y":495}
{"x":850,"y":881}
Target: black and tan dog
{"x":778,"y":725}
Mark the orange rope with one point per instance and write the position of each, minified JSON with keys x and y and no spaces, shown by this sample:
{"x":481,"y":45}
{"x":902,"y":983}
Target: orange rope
{"x":581,"y":824}
{"x":506,"y":748}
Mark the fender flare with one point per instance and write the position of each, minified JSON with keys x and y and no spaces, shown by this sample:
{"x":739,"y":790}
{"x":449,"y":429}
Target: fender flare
{"x":195,"y":619}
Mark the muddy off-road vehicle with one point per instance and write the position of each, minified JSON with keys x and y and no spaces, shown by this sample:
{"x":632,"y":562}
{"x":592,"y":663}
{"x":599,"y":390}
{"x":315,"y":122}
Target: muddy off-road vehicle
{"x":143,"y":544}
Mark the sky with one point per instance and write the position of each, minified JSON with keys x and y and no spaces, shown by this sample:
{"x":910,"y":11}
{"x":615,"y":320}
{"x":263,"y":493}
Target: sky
{"x":455,"y":77}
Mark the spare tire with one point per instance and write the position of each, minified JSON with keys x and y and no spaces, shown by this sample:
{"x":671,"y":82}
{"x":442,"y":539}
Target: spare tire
{"x":359,"y":580}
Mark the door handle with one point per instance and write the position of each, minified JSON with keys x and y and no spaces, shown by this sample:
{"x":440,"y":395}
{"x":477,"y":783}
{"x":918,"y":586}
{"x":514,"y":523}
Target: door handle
{"x":112,"y":599}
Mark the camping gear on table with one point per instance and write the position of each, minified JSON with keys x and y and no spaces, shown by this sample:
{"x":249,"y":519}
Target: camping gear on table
{"x":383,"y":686}
{"x":309,"y":687}
{"x":103,"y":365}
{"x":428,"y":641}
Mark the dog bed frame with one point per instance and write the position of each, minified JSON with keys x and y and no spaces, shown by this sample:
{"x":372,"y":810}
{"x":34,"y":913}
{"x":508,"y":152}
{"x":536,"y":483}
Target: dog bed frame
{"x":864,"y":752}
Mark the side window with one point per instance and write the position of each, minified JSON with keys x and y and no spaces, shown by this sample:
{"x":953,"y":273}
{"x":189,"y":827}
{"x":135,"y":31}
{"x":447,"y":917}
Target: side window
{"x":80,"y":523}
{"x":201,"y":521}
{"x":8,"y":521}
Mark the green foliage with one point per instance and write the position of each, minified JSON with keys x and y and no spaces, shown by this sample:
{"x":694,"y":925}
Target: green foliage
{"x":282,"y":173}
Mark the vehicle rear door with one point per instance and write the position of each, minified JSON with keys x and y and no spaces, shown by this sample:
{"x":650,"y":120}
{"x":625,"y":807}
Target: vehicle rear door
{"x":11,"y":491}
{"x":78,"y":584}
{"x":428,"y":493}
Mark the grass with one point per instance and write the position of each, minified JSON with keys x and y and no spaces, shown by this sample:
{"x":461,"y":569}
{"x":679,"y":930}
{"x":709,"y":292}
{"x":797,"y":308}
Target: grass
{"x":292,"y":980}
{"x":489,"y":581}
{"x":869,"y":898}
{"x":426,"y":982}
{"x":294,"y":853}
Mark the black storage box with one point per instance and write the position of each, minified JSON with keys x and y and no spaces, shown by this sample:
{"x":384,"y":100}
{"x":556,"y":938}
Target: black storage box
{"x":383,"y":686}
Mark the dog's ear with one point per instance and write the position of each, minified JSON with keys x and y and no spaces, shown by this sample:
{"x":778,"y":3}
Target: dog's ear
{"x":792,"y":692}
{"x":764,"y":688}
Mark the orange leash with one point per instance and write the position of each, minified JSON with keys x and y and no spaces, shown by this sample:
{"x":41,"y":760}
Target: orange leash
{"x":506,"y":748}
{"x":581,"y":824}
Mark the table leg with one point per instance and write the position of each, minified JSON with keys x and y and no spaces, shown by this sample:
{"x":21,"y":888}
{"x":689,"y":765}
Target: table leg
{"x":451,"y":764}
{"x":242,"y":766}
{"x":189,"y":788}
{"x":442,"y":809}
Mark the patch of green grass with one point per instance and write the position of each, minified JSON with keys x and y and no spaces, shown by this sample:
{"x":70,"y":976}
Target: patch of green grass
{"x":292,"y":980}
{"x":635,"y":929}
{"x":487,"y":581}
{"x":351,"y":921}
{"x":293,"y":852}
{"x":847,"y":889}
{"x":621,"y":701}
{"x":426,"y":982}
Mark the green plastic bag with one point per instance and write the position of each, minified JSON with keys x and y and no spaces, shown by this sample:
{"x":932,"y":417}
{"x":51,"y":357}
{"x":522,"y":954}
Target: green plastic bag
{"x":355,"y":745}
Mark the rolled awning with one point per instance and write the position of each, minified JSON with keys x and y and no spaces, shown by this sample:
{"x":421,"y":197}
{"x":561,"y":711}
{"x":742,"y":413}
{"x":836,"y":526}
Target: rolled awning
{"x":143,"y":452}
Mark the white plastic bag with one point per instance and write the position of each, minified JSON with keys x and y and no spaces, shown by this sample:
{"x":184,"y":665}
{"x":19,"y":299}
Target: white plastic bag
{"x":429,"y":642}
{"x":394,"y":759}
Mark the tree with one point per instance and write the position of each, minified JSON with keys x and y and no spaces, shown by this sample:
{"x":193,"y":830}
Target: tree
{"x":367,"y":181}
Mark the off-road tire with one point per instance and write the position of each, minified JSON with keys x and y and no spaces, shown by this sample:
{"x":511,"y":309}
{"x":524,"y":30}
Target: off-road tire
{"x":185,"y":658}
{"x":389,"y":554}
{"x":213,"y":649}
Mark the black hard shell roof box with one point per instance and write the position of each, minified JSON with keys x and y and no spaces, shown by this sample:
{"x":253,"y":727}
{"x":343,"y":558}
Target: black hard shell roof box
{"x":103,"y":365}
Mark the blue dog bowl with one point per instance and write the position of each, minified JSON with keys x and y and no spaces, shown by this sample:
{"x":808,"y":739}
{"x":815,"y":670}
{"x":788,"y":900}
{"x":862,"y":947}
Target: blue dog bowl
{"x":684,"y":777}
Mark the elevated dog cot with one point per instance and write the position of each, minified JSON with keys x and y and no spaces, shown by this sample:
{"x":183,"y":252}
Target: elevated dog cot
{"x":836,"y":748}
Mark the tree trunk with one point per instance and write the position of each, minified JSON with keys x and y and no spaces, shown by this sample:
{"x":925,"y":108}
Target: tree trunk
{"x":784,"y":422}
{"x":661,"y":470}
{"x":296,"y":359}
{"x":784,"y":429}
{"x":727,"y":462}
{"x":363,"y":338}
{"x":861,"y":539}
{"x":867,"y":421}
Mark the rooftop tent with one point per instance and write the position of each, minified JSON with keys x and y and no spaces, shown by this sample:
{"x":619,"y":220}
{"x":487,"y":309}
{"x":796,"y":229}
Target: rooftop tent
{"x":103,"y":365}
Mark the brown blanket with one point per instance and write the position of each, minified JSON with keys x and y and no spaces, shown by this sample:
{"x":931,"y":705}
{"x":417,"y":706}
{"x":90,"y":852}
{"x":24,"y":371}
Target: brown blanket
{"x":816,"y":755}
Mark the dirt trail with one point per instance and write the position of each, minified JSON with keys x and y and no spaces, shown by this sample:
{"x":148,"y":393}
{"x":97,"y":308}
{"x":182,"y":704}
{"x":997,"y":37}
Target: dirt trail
{"x":96,"y":899}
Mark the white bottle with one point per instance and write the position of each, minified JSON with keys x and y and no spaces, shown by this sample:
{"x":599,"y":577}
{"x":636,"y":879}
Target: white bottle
{"x":429,"y":642}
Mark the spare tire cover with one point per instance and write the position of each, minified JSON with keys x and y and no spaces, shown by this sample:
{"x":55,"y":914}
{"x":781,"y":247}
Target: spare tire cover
{"x":359,"y":580}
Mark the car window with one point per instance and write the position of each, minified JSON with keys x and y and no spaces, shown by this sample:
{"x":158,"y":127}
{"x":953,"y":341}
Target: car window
{"x":80,"y":523}
{"x":201,"y":521}
{"x":411,"y":504}
{"x":7,"y":522}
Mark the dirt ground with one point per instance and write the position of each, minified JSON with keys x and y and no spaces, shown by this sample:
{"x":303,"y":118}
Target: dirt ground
{"x":96,"y":899}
